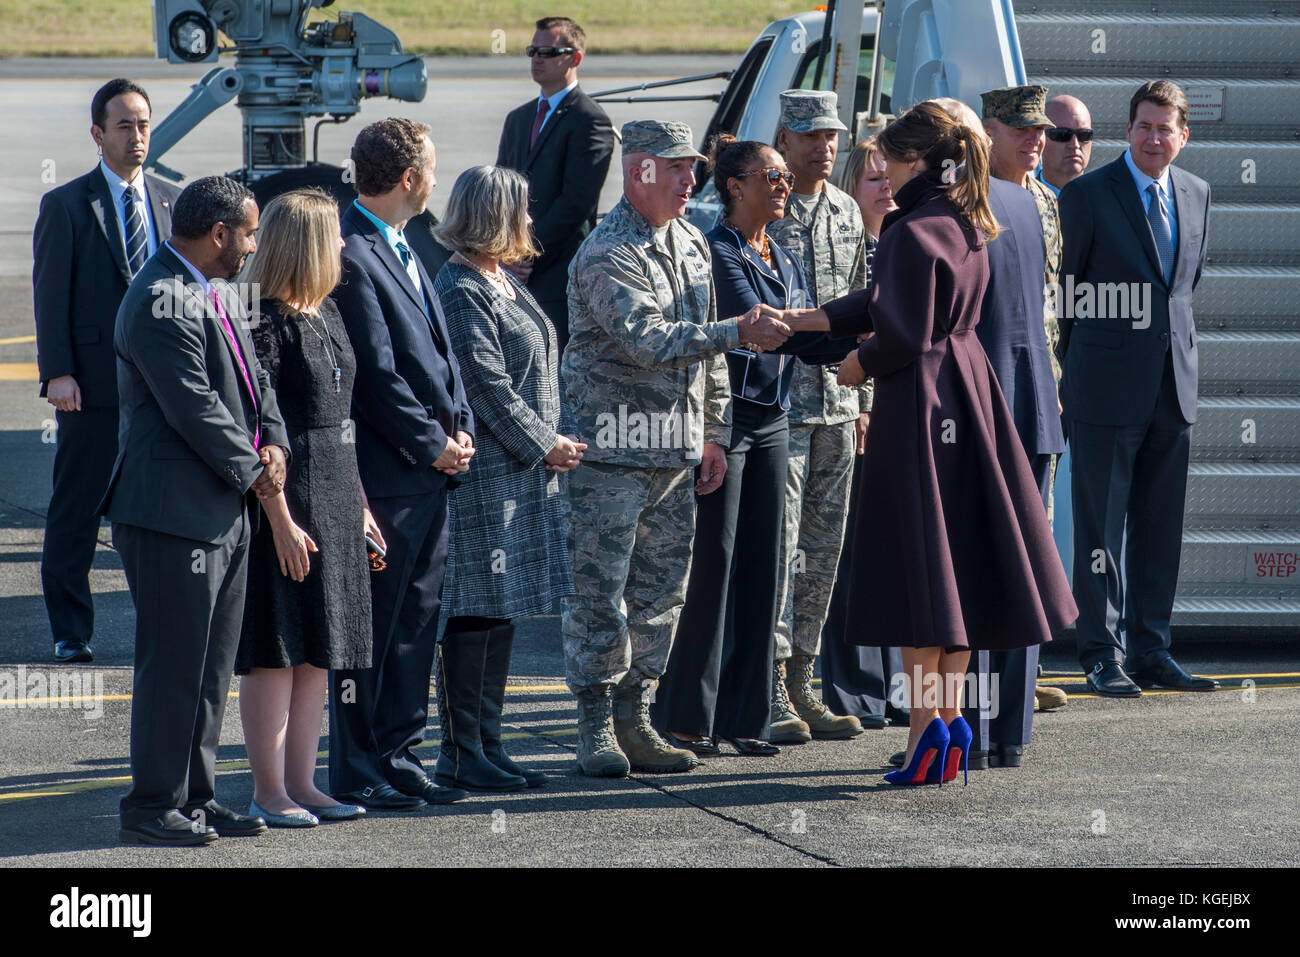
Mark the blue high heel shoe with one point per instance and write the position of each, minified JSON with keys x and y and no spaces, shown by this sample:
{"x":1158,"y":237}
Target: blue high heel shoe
{"x":960,"y":737}
{"x":927,"y":759}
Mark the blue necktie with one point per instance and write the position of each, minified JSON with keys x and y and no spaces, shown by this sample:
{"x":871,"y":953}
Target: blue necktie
{"x":137,"y":244}
{"x":1161,"y":233}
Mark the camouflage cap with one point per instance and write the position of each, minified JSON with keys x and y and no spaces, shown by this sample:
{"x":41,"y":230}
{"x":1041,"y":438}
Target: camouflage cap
{"x":803,"y":111}
{"x":1018,"y":106}
{"x":659,"y":138}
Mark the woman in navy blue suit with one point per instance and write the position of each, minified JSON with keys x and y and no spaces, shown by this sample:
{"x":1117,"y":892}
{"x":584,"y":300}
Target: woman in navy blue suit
{"x":718,"y":680}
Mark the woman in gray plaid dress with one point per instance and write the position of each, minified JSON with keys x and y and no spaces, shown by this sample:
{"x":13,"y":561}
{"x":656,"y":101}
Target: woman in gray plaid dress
{"x":507,"y":557}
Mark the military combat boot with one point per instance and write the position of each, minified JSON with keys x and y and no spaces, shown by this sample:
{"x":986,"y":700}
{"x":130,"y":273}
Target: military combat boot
{"x":645,"y":750}
{"x":787,"y":727}
{"x":810,"y":707}
{"x":1049,"y":699}
{"x":598,"y":752}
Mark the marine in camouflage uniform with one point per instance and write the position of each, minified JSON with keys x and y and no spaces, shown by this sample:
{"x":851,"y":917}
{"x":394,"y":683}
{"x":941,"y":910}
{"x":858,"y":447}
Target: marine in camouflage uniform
{"x":825,"y":230}
{"x":646,"y":382}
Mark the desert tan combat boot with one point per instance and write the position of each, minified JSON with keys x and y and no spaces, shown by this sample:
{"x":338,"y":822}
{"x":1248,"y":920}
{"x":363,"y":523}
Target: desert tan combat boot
{"x":1049,"y":699}
{"x":598,"y":752}
{"x":645,"y":750}
{"x":786,"y":726}
{"x":810,"y":707}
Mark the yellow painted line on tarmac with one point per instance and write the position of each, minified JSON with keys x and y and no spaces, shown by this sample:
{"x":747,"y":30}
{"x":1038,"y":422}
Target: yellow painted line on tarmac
{"x":17,"y":340}
{"x":19,"y":372}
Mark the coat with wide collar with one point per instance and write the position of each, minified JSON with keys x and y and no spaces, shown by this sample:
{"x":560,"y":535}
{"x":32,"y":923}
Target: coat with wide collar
{"x":952,"y":547}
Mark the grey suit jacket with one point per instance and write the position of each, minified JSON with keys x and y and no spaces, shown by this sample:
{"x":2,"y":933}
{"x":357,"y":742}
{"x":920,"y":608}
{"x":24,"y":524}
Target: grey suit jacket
{"x":185,"y":456}
{"x":1113,"y":363}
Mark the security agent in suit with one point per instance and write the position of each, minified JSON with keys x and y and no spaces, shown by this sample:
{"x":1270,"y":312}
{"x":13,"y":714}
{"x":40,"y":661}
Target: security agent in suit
{"x":1012,"y":334}
{"x":200,"y":429}
{"x":562,"y":142}
{"x":1129,"y":391}
{"x":414,"y":434}
{"x":84,"y":258}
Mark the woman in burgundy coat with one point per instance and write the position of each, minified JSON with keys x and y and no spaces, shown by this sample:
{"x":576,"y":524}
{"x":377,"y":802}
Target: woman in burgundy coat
{"x":951,"y":550}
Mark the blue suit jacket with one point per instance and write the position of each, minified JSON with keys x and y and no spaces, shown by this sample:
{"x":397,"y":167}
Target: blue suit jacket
{"x":1011,"y":319}
{"x":1113,"y":366}
{"x":741,"y":281}
{"x":408,"y":396}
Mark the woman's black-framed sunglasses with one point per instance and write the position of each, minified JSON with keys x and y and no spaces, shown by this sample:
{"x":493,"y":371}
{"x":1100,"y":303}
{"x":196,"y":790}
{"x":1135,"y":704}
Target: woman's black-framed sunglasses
{"x":774,"y":175}
{"x":1062,"y":134}
{"x":547,"y":52}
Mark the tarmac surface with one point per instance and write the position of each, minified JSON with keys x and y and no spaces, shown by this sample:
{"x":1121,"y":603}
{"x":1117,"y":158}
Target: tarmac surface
{"x":1170,"y":779}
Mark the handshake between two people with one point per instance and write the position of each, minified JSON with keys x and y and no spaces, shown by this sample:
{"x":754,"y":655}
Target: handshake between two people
{"x":765,"y":328}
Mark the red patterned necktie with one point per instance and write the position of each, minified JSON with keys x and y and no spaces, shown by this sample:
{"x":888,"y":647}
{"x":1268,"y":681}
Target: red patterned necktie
{"x":538,"y":120}
{"x":239,"y":358}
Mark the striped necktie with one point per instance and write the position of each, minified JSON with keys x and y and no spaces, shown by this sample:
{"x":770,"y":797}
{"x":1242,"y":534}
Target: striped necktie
{"x":1161,"y":232}
{"x":137,"y":243}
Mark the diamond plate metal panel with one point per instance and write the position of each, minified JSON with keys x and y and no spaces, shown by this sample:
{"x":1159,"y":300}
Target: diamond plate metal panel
{"x":1265,"y":291}
{"x":1063,"y":44}
{"x":1261,"y":358}
{"x":1265,"y":234}
{"x":1237,"y":170}
{"x":1252,"y":429}
{"x":1252,"y":109}
{"x":1246,"y":491}
{"x":1183,"y":8}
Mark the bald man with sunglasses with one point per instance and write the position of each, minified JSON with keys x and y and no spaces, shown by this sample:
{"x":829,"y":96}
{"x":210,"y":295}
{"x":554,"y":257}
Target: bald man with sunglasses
{"x":1068,"y":148}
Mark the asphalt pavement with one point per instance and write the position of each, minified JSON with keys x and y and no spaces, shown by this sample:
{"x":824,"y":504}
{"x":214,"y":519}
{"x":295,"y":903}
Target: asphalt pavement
{"x":1192,"y":779}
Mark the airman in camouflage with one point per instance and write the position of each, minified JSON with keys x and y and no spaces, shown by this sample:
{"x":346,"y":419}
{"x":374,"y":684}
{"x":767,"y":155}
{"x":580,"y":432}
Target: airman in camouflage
{"x":823,"y":227}
{"x":646,"y":381}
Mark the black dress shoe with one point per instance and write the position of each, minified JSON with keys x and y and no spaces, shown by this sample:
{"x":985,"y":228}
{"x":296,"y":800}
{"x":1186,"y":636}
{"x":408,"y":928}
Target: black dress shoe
{"x":72,"y":652}
{"x":432,"y":793}
{"x":1167,"y":673}
{"x":1109,"y":680}
{"x":705,"y":747}
{"x":1005,"y":755}
{"x":226,"y":822}
{"x":873,"y":722}
{"x":172,"y":829}
{"x":754,"y":749}
{"x":381,"y":797}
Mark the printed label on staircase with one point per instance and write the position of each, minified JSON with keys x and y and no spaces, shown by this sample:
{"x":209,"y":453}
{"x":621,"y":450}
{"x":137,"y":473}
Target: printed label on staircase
{"x":1204,"y":103}
{"x":1273,"y":564}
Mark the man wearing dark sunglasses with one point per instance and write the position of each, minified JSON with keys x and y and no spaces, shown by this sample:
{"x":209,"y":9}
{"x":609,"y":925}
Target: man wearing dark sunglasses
{"x":562,"y":142}
{"x":1068,"y":149}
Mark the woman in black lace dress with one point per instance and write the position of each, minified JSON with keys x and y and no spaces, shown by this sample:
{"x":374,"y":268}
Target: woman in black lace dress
{"x":307,"y":608}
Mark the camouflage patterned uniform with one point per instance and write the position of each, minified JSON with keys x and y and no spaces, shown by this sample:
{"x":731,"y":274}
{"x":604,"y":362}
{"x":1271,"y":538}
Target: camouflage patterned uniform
{"x":827,"y":234}
{"x":646,"y":381}
{"x":1051,"y":217}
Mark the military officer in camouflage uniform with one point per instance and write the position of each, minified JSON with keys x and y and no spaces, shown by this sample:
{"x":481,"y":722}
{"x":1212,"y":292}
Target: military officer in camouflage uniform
{"x":1016,"y":120}
{"x":645,"y":378}
{"x":822,"y":225}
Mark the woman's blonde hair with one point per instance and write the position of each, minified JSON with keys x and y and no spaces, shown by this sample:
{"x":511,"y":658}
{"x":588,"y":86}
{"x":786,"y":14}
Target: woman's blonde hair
{"x":928,"y":132}
{"x":297,"y":258}
{"x":857,"y":163}
{"x":487,"y":215}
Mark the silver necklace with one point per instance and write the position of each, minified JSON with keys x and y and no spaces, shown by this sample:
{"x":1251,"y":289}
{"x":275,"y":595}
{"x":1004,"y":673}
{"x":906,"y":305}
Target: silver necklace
{"x":498,"y":278}
{"x":329,"y":351}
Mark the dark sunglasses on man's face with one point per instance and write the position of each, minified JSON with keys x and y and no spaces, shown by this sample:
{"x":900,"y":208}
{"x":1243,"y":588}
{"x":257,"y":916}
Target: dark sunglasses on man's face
{"x":1062,"y":134}
{"x":548,"y":52}
{"x":774,"y":175}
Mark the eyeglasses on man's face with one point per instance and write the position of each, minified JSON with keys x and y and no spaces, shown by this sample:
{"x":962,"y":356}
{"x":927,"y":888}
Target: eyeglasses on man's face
{"x":548,"y":52}
{"x":773,"y":176}
{"x":1062,"y":134}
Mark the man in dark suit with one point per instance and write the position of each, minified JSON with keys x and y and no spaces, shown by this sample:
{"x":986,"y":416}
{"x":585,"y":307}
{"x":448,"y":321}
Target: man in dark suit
{"x":562,"y":142}
{"x":1135,"y":240}
{"x":200,"y":429}
{"x":414,"y":435}
{"x":92,"y":236}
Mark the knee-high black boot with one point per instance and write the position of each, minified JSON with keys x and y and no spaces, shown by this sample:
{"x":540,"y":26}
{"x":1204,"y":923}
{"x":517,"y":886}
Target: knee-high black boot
{"x":495,"y":672}
{"x":461,"y":762}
